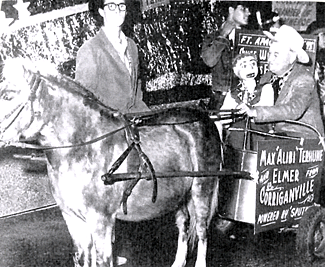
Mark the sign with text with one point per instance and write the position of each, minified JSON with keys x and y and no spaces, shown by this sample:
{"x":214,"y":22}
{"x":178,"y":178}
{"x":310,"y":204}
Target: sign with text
{"x":297,"y":14}
{"x":253,"y":42}
{"x":258,"y":43}
{"x":288,"y":176}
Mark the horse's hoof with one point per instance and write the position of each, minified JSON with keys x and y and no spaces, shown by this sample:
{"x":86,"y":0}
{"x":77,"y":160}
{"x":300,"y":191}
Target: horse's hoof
{"x":121,"y":260}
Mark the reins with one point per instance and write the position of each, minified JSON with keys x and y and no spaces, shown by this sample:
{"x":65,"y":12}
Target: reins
{"x":20,"y":109}
{"x":39,"y":147}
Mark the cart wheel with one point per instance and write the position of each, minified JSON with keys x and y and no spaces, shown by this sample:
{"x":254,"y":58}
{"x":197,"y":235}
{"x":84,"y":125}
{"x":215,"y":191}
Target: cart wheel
{"x":310,"y":238}
{"x":224,"y":226}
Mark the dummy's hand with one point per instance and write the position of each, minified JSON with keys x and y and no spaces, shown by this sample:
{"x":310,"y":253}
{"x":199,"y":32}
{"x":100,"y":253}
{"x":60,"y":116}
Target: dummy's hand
{"x":244,"y":109}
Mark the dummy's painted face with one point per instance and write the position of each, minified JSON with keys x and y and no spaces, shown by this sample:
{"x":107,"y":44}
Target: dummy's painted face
{"x":114,"y":12}
{"x":246,"y":68}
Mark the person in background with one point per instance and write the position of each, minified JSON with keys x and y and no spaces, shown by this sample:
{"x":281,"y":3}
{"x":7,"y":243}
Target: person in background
{"x":297,"y":98}
{"x":217,"y":51}
{"x":319,"y":31}
{"x":107,"y":64}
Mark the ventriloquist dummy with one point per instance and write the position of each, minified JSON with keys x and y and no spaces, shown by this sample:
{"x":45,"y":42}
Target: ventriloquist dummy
{"x":246,"y":69}
{"x":247,"y":91}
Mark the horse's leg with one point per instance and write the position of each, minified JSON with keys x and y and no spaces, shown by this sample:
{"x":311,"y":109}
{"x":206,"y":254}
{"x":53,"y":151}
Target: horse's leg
{"x":182,"y":217}
{"x":103,"y":227}
{"x":202,"y":193}
{"x":92,"y":238}
{"x":82,"y":240}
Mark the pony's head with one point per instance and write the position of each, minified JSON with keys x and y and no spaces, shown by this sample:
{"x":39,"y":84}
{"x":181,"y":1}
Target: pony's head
{"x":20,"y":80}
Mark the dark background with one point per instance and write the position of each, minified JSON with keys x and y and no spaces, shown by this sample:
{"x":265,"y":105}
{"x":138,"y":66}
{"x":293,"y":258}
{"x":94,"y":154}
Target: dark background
{"x":169,"y":40}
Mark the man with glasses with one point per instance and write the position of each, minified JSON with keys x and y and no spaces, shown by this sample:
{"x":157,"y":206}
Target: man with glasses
{"x":107,"y":64}
{"x":217,"y":51}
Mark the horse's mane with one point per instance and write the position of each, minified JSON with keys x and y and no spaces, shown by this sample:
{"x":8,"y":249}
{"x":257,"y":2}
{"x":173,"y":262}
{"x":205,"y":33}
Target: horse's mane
{"x":76,"y":88}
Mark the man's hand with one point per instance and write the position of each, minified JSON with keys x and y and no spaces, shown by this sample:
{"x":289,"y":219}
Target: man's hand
{"x":244,"y":109}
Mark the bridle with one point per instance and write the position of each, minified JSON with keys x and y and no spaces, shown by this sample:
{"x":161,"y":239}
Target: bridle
{"x":35,"y":81}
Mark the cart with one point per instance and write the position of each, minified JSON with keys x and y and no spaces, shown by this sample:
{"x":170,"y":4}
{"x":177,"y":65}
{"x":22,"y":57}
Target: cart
{"x":283,"y":190}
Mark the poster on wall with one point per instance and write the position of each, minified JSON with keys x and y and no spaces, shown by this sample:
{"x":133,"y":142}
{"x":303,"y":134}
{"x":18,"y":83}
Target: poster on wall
{"x":297,"y":14}
{"x":258,"y":43}
{"x":253,"y":42}
{"x":288,"y":175}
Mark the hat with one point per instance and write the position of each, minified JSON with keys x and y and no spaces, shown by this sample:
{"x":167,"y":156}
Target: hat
{"x":291,"y":38}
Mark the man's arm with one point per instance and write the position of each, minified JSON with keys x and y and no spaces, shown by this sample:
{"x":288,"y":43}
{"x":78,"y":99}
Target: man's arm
{"x":301,"y":97}
{"x":86,"y":68}
{"x":214,"y":44}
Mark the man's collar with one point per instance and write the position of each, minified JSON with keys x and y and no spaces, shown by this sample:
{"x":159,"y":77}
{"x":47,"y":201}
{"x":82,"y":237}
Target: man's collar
{"x":287,"y":72}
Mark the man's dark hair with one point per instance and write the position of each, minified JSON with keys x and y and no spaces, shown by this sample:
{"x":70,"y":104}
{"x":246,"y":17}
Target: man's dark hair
{"x":94,"y":6}
{"x":226,"y":4}
{"x":235,"y":4}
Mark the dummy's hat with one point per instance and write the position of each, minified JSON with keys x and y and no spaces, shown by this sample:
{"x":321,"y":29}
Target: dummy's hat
{"x":290,"y":37}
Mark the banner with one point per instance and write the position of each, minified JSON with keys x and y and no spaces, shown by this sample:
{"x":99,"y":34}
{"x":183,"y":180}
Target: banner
{"x":288,"y":178}
{"x":296,"y":14}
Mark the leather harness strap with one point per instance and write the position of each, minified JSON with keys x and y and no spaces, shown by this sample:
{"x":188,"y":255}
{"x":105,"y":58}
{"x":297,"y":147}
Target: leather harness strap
{"x":144,"y":166}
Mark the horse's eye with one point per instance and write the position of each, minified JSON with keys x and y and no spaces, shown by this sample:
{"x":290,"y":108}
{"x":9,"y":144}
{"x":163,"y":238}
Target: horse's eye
{"x":8,"y":95}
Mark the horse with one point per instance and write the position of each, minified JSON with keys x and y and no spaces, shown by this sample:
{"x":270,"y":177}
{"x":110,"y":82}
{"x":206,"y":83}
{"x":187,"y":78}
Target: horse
{"x":82,"y":139}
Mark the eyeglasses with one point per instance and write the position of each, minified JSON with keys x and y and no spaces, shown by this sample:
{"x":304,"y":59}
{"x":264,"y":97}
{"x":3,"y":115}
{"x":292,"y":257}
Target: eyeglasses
{"x":112,"y":6}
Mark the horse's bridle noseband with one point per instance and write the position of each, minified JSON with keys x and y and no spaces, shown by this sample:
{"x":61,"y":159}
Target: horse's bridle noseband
{"x":35,"y":82}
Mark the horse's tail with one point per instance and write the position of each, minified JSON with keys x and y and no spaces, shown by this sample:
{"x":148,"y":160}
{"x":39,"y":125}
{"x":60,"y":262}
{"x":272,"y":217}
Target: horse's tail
{"x":192,"y":236}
